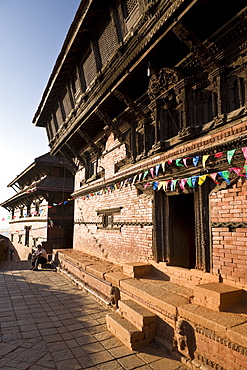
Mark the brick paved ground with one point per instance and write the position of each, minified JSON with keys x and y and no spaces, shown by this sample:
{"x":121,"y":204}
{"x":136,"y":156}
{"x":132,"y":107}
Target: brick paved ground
{"x":47,"y":323}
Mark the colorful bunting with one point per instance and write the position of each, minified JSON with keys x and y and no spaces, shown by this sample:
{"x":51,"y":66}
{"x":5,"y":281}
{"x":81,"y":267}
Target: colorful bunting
{"x":230,"y":154}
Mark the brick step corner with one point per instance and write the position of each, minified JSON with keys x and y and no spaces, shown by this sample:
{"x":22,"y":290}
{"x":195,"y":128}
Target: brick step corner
{"x":217,"y":296}
{"x":126,"y":331}
{"x":138,"y":315}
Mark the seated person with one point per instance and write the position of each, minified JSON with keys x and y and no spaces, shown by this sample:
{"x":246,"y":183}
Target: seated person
{"x":39,"y":256}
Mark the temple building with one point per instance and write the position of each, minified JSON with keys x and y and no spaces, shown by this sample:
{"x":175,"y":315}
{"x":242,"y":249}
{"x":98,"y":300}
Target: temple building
{"x":146,"y":106}
{"x":41,"y":211}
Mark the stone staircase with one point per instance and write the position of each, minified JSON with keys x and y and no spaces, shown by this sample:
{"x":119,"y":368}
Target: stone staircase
{"x":133,"y":324}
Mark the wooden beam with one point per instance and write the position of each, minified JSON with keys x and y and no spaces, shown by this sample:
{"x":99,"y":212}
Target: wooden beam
{"x":76,"y":154}
{"x":196,"y":46}
{"x":130,"y":103}
{"x":90,"y":142}
{"x":67,"y":161}
{"x":110,"y":124}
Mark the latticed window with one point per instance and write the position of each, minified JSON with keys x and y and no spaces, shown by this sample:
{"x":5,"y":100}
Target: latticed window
{"x":129,"y":7}
{"x":89,"y":68}
{"x":66,"y":102}
{"x":59,"y":116}
{"x":75,"y":85}
{"x":107,"y":41}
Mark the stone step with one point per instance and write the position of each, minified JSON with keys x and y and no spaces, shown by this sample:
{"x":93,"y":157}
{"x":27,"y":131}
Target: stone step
{"x":136,"y":269}
{"x":217,"y":296}
{"x":126,"y":331}
{"x":138,"y":315}
{"x":155,"y":297}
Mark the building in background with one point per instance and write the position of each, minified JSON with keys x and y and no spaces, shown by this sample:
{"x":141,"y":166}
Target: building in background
{"x":41,"y":211}
{"x":147,"y":105}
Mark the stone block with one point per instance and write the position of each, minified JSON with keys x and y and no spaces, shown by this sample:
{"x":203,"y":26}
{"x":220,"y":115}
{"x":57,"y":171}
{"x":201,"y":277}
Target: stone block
{"x":136,"y":269}
{"x":217,"y":296}
{"x":136,"y":314}
{"x":124,"y":330}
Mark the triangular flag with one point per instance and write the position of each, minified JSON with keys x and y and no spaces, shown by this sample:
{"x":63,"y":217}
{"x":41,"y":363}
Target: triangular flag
{"x":155,"y":185}
{"x":173,"y":184}
{"x":195,"y":160}
{"x":213,"y":176}
{"x":204,"y":159}
{"x":160,"y":185}
{"x":219,"y":155}
{"x":177,"y":162}
{"x":140,"y":176}
{"x":182,"y":183}
{"x":225,"y":175}
{"x":185,"y":161}
{"x":146,"y":185}
{"x":202,"y":179}
{"x":237,"y":170}
{"x":245,"y":168}
{"x":152,"y":171}
{"x":134,"y":179}
{"x":170,"y":161}
{"x":157,"y":167}
{"x":145,"y":174}
{"x":230,"y":154}
{"x":244,"y":150}
{"x":163,"y":165}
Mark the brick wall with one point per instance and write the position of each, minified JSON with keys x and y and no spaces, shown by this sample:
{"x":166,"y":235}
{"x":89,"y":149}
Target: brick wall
{"x":229,"y":244}
{"x":129,"y":242}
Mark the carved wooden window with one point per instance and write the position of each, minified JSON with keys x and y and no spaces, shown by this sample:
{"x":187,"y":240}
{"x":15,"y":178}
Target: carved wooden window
{"x":59,"y":116}
{"x":89,"y":68}
{"x":129,"y":7}
{"x":108,"y":218}
{"x":66,"y":102}
{"x":169,"y":122}
{"x":20,"y":239}
{"x":235,"y":93}
{"x":107,"y":40}
{"x":75,"y":86}
{"x":91,"y":169}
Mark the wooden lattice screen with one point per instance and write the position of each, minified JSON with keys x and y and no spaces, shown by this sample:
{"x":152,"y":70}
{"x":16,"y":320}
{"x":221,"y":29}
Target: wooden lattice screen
{"x":130,"y":6}
{"x":107,"y":41}
{"x":89,"y":68}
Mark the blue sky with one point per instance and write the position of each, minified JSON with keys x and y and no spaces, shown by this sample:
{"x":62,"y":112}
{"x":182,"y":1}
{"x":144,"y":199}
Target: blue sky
{"x":31,"y":36}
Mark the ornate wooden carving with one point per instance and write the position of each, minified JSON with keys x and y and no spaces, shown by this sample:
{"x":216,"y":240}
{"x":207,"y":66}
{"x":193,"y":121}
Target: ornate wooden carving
{"x":196,"y":47}
{"x":162,"y":80}
{"x":76,"y":154}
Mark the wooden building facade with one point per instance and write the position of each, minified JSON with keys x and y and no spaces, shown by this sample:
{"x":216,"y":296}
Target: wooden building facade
{"x":39,"y":211}
{"x":146,"y":105}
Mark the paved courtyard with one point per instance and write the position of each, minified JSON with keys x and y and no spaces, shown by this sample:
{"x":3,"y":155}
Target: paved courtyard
{"x":48,"y":323}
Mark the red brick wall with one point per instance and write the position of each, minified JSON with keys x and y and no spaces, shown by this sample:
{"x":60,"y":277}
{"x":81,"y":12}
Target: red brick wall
{"x":230,"y":247}
{"x":131,"y":242}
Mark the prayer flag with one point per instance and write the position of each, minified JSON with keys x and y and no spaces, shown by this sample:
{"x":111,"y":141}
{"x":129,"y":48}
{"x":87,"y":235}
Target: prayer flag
{"x":244,"y":150}
{"x":230,"y":154}
{"x":204,"y":159}
{"x":219,"y":155}
{"x":225,"y":175}
{"x":163,"y":165}
{"x":182,"y":183}
{"x":195,"y":160}
{"x":152,"y":171}
{"x":202,"y":179}
{"x":177,"y":162}
{"x":157,"y":167}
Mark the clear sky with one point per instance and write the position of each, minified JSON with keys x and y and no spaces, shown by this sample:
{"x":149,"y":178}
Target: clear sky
{"x":31,"y":36}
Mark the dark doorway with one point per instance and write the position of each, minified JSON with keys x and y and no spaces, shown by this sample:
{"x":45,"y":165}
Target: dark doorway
{"x":182,"y":230}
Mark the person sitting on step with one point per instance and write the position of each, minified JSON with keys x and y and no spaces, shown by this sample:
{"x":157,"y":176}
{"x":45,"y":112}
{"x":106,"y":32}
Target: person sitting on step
{"x":39,"y":257}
